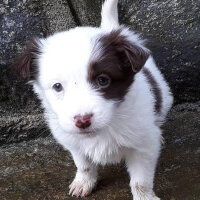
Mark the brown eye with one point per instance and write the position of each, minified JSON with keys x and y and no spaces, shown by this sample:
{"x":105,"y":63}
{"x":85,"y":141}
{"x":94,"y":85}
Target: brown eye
{"x":103,"y":81}
{"x":58,"y":87}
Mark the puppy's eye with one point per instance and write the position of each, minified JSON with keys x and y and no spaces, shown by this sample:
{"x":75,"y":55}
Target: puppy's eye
{"x":103,"y":81}
{"x":58,"y":87}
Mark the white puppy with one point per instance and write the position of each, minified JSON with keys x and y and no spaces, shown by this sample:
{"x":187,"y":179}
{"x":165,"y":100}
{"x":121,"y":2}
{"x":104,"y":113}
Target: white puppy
{"x":104,"y":99}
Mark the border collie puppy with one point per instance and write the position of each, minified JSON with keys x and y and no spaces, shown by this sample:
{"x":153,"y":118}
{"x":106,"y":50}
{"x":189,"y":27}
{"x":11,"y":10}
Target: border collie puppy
{"x":104,"y":99}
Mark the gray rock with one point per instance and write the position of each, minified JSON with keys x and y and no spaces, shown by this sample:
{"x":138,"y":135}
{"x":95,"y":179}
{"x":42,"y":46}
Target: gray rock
{"x":21,"y":20}
{"x":23,"y":125}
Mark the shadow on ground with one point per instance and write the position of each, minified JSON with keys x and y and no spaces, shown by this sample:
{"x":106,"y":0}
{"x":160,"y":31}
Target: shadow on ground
{"x":41,"y":169}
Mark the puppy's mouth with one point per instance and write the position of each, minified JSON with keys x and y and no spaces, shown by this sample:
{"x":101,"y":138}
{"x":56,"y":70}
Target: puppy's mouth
{"x":86,"y":132}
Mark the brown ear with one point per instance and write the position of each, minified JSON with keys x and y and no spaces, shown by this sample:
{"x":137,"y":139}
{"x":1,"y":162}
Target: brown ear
{"x":128,"y":53}
{"x":135,"y":55}
{"x":25,"y":66}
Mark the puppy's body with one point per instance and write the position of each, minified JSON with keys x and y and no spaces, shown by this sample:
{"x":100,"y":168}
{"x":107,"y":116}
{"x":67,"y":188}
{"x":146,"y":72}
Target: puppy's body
{"x":125,"y":115}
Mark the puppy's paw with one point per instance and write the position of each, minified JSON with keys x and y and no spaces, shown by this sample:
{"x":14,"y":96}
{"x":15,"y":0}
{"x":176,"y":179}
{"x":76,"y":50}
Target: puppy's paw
{"x":154,"y":198}
{"x":142,"y":193}
{"x":146,"y":197}
{"x":82,"y":187}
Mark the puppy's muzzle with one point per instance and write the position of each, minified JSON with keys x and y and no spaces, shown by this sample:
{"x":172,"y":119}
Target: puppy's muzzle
{"x":83,"y":121}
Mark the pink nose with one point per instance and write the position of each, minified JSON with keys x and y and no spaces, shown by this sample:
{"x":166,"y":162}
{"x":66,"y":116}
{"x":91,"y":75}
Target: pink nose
{"x":83,"y":121}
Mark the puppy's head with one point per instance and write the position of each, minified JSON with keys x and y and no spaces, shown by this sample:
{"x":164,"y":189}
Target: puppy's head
{"x":83,"y":75}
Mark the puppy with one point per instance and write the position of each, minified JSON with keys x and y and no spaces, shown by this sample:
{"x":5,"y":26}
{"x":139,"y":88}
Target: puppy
{"x":104,"y":99}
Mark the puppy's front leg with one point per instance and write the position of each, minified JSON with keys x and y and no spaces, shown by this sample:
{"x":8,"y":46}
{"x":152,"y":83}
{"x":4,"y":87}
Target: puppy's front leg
{"x":86,"y":176}
{"x":141,"y":167}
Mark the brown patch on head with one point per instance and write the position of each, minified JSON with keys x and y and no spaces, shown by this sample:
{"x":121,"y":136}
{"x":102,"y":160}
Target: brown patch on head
{"x":155,"y":89}
{"x":120,"y":59}
{"x":24,"y":67}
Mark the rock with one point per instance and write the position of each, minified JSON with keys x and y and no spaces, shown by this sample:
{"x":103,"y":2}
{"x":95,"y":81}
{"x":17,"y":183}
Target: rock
{"x":88,"y":13}
{"x":41,"y":169}
{"x":23,"y":125}
{"x":22,"y":20}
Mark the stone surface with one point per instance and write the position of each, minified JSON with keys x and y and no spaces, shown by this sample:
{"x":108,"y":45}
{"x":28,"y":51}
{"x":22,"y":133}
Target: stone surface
{"x":21,"y":20}
{"x":41,"y":169}
{"x":20,"y":126}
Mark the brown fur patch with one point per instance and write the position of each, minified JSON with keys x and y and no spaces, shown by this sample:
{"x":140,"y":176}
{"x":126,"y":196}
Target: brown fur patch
{"x":155,"y":88}
{"x":24,"y":67}
{"x":120,"y":59}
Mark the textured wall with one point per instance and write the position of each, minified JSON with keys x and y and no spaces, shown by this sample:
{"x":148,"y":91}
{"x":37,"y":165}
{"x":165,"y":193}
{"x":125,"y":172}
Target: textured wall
{"x":172,"y":28}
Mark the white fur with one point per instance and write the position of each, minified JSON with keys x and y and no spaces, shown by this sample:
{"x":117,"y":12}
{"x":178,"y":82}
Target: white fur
{"x":128,"y":131}
{"x":109,"y":15}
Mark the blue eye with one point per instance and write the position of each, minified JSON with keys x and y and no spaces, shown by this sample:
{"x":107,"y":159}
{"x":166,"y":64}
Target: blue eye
{"x":103,"y":81}
{"x":58,"y":87}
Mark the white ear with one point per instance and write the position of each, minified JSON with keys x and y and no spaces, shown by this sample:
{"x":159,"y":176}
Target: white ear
{"x":109,"y":15}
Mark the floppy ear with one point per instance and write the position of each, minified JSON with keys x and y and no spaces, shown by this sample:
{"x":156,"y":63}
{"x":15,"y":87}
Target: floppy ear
{"x":129,"y":53}
{"x":134,"y":56}
{"x":25,"y":66}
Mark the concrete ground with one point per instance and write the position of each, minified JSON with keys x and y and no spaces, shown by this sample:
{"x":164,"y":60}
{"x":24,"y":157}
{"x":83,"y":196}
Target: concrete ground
{"x":41,"y":169}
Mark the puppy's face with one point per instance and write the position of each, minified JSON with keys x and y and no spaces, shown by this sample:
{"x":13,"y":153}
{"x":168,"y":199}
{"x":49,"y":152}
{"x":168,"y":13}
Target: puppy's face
{"x":82,"y":75}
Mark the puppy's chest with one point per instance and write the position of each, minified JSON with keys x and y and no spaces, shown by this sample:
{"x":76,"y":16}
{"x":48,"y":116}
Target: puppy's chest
{"x":104,"y":153}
